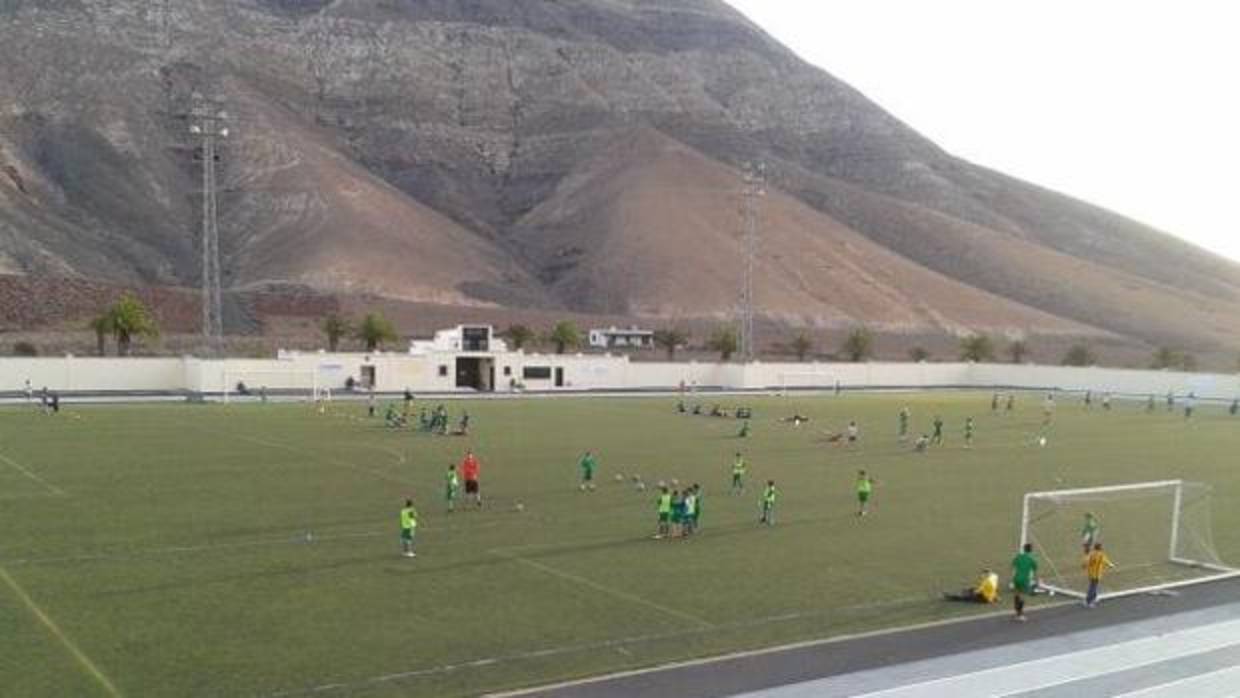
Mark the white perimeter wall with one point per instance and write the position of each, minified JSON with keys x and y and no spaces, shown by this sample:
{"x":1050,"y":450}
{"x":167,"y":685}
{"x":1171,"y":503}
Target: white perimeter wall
{"x":395,"y":372}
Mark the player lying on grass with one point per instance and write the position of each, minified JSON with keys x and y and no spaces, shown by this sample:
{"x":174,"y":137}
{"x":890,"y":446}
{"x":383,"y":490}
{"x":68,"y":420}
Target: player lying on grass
{"x":922,"y":444}
{"x":795,"y":420}
{"x":986,"y":590}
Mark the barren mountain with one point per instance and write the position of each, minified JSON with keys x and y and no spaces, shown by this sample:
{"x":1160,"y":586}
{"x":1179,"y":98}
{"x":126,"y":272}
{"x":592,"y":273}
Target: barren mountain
{"x":575,"y":155}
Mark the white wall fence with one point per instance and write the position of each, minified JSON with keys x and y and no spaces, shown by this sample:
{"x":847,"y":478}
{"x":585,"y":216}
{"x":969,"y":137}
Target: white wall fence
{"x":437,"y":373}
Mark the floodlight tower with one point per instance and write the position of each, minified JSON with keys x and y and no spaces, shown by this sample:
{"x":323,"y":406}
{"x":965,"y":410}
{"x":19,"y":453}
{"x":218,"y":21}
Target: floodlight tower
{"x":751,"y":196}
{"x":209,"y":122}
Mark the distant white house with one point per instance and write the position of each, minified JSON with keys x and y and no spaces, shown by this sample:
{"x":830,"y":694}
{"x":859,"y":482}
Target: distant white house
{"x":618,"y":338}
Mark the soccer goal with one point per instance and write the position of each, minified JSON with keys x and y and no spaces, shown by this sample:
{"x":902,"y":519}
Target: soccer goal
{"x":805,"y":380}
{"x":1158,"y":534}
{"x":274,"y":384}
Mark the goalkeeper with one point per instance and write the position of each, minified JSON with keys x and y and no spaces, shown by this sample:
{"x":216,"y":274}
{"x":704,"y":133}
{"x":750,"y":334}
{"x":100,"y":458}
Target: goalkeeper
{"x":985,"y":591}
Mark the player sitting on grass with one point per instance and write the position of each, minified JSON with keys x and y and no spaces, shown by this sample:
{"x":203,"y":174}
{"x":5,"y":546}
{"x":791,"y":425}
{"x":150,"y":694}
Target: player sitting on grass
{"x":985,"y":591}
{"x":408,"y":526}
{"x":738,"y":474}
{"x":680,"y":407}
{"x":588,"y":464}
{"x":796,"y":420}
{"x":1024,"y":579}
{"x":922,"y":444}
{"x":769,"y":495}
{"x":744,"y":432}
{"x":392,"y":418}
{"x":462,"y":427}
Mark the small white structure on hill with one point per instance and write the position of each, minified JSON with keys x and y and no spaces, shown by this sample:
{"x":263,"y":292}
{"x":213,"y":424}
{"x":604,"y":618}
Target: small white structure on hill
{"x":617,"y":338}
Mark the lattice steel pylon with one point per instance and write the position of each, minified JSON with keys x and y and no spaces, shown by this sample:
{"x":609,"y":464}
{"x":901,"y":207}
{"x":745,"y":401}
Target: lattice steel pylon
{"x":751,"y":197}
{"x":209,"y":122}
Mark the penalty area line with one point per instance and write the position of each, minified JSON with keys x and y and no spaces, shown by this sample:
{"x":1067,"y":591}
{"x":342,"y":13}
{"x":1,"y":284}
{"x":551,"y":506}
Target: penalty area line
{"x":53,"y":489}
{"x":68,"y":644}
{"x":623,"y":595}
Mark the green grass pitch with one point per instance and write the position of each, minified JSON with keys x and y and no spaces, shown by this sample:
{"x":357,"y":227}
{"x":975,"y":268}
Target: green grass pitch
{"x":252,"y":550}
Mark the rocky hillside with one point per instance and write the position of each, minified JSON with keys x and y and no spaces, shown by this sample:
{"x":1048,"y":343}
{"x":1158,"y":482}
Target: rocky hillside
{"x":572,"y":155}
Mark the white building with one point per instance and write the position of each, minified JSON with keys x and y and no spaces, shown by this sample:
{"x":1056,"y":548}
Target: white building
{"x":616,"y":338}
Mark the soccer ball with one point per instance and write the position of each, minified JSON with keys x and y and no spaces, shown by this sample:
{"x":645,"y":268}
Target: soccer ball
{"x":675,"y":482}
{"x":519,"y":507}
{"x":619,"y":477}
{"x":590,"y":486}
{"x":1041,"y":440}
{"x":1051,"y":592}
{"x":641,"y":487}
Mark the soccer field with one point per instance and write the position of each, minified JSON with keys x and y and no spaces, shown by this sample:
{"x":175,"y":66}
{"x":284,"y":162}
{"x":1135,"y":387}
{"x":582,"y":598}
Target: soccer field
{"x":252,"y":550}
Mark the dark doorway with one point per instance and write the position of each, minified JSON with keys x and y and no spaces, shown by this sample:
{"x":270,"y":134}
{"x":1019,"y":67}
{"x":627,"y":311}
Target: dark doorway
{"x":475,"y":373}
{"x":368,"y":377}
{"x":559,"y":377}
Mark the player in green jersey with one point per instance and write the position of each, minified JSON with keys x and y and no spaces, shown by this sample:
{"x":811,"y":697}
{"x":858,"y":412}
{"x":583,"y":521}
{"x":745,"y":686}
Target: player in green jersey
{"x":588,"y":465}
{"x":452,"y":486}
{"x":1090,"y":533}
{"x":769,"y":495}
{"x":904,"y":417}
{"x":664,"y":505}
{"x":408,"y":526}
{"x":1024,"y":579}
{"x":738,"y":474}
{"x":968,"y":433}
{"x":865,"y":488}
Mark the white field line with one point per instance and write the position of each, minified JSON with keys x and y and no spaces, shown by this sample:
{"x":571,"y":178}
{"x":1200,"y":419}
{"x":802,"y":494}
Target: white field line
{"x":672,"y":666}
{"x":619,"y":594}
{"x":78,"y":655}
{"x":297,"y":537}
{"x":53,"y":489}
{"x":624,"y":641}
{"x":319,"y":457}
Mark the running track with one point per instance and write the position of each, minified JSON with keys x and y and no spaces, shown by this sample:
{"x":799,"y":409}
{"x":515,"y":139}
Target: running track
{"x":1183,"y":646}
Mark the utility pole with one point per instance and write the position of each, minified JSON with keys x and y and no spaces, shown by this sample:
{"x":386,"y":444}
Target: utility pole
{"x":751,"y":195}
{"x":209,"y":122}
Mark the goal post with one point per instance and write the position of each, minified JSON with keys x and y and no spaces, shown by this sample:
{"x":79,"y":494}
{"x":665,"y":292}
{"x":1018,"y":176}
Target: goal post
{"x":1158,"y":534}
{"x":274,"y":384}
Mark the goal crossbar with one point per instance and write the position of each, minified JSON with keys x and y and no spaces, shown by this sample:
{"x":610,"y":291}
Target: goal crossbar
{"x":1176,"y":490}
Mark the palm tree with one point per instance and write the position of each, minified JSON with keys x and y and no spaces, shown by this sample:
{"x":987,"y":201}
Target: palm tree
{"x":564,"y":336}
{"x":1079,"y":355}
{"x":102,"y":327}
{"x":802,"y":344}
{"x":129,"y":319}
{"x":1018,"y":350}
{"x":519,"y":335}
{"x":977,"y":348}
{"x":670,"y":340}
{"x":858,"y":345}
{"x":725,"y":341}
{"x":334,"y":328}
{"x":374,"y":330}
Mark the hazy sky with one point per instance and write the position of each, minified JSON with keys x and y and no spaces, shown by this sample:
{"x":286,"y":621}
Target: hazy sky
{"x":1129,"y":104}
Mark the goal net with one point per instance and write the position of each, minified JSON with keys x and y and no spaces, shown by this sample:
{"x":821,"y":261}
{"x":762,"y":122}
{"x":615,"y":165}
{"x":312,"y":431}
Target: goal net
{"x":1158,"y":535}
{"x":302,"y":385}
